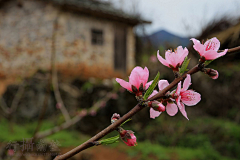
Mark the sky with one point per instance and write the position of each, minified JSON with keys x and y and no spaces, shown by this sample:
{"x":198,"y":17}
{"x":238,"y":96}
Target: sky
{"x":181,"y":17}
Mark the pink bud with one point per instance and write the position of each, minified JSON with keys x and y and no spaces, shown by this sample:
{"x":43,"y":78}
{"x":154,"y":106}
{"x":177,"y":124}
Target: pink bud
{"x":211,"y":72}
{"x":93,"y":113}
{"x":115,"y":117}
{"x":58,"y":105}
{"x":128,"y":137}
{"x":83,"y":113}
{"x":157,"y":106}
{"x":103,"y":104}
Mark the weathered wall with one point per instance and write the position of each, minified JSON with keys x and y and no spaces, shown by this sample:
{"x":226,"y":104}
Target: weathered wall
{"x":26,"y":38}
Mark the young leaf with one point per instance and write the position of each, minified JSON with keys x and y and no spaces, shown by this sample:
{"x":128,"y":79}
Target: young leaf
{"x":109,"y":140}
{"x":126,"y":121}
{"x":207,"y":62}
{"x":184,"y":65}
{"x":151,"y":87}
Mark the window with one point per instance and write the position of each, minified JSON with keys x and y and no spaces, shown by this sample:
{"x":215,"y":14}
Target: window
{"x":97,"y":37}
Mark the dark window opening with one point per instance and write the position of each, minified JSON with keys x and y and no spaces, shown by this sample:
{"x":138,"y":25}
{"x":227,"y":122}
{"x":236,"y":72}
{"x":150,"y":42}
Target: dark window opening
{"x":97,"y":37}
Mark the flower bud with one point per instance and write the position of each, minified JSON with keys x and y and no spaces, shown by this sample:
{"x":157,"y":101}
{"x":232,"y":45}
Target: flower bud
{"x":115,"y":117}
{"x":157,"y":106}
{"x":83,"y":113}
{"x":128,"y":137}
{"x":211,"y":72}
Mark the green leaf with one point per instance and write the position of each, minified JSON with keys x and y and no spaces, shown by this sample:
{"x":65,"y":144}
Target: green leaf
{"x":207,"y":62}
{"x":126,"y":121}
{"x":109,"y":140}
{"x":184,"y":65}
{"x":151,"y":87}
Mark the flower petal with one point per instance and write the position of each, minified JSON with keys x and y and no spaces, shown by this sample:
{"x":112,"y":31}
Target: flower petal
{"x":212,"y":44}
{"x":198,"y":46}
{"x":178,"y":88}
{"x":124,"y":84}
{"x":153,"y":93}
{"x":171,"y":109}
{"x":190,"y":97}
{"x":181,"y":107}
{"x":162,"y":84}
{"x":186,"y":83}
{"x":144,"y":76}
{"x":183,"y":55}
{"x":148,"y":84}
{"x":163,"y":61}
{"x":182,"y":110}
{"x":153,"y":113}
{"x":134,"y":78}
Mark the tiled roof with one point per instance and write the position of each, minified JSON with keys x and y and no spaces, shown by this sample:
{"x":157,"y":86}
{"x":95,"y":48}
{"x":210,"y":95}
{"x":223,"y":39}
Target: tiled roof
{"x":101,"y":9}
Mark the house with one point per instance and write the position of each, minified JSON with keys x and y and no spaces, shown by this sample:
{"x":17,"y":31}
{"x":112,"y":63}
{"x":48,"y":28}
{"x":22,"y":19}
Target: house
{"x":89,"y":38}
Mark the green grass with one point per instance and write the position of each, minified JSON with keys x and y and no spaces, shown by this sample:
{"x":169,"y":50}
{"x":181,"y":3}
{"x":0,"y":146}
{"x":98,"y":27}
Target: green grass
{"x":65,"y":138}
{"x":146,"y":150}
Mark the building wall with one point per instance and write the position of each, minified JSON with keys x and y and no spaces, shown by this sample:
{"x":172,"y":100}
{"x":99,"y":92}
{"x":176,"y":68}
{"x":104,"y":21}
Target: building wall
{"x":26,"y":42}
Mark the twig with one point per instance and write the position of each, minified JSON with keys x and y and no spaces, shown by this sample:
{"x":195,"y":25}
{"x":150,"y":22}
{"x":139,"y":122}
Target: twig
{"x":231,"y":50}
{"x":74,"y":120}
{"x":132,"y":112}
{"x":4,"y":106}
{"x":104,"y":132}
{"x":54,"y":72}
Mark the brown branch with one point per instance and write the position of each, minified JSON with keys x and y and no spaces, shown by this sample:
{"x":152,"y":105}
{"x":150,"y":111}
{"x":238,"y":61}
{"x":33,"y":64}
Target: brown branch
{"x":4,"y":106}
{"x":132,"y":112}
{"x":104,"y":132}
{"x":17,"y":98}
{"x":231,"y":50}
{"x":56,"y":129}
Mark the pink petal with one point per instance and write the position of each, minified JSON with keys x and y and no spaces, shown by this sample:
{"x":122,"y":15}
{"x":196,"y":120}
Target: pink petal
{"x":215,"y":77}
{"x":153,"y":93}
{"x":144,"y":76}
{"x":162,"y":84}
{"x":186,"y":83}
{"x":183,"y":55}
{"x":148,"y":84}
{"x":171,"y":109}
{"x":134,"y":78}
{"x":153,"y":113}
{"x":163,"y":61}
{"x":172,"y":58}
{"x":182,"y":110}
{"x":190,"y":97}
{"x":212,"y":44}
{"x":181,"y":107}
{"x":178,"y":88}
{"x":198,"y":46}
{"x":124,"y":84}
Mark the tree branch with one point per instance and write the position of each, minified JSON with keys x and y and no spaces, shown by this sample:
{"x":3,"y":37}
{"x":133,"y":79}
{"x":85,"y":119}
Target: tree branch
{"x":74,"y":120}
{"x":89,"y":143}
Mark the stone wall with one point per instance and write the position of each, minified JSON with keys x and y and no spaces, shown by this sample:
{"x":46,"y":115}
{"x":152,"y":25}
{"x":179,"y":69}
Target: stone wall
{"x":26,"y":40}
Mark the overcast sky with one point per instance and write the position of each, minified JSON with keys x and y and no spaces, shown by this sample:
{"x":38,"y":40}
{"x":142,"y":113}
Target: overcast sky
{"x":180,"y":17}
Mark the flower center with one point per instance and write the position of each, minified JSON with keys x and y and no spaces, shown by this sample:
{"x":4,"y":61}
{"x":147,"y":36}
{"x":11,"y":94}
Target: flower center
{"x":210,"y":46}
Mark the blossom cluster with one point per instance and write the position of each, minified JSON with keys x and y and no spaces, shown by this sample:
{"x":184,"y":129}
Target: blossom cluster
{"x":177,"y":99}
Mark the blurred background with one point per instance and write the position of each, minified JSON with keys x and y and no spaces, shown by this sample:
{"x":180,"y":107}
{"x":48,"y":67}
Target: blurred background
{"x":58,"y":64}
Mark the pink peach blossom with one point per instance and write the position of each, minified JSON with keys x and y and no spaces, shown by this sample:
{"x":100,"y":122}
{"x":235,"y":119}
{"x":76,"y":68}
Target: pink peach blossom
{"x":187,"y":97}
{"x":137,"y":77}
{"x":209,"y":49}
{"x":173,"y":59}
{"x":171,"y":107}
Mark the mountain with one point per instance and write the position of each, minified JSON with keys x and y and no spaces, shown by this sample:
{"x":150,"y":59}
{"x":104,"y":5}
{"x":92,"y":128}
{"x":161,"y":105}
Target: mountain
{"x":163,"y":37}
